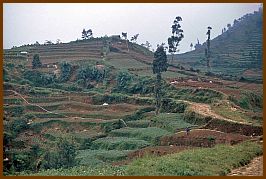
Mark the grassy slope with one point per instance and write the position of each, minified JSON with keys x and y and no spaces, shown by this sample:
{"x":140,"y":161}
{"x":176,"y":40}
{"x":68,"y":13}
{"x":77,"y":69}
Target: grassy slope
{"x":219,"y":160}
{"x":199,"y":162}
{"x":233,"y":52}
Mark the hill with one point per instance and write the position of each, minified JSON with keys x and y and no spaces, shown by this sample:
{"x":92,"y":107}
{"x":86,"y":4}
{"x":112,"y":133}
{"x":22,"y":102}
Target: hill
{"x":236,"y":52}
{"x":90,"y":107}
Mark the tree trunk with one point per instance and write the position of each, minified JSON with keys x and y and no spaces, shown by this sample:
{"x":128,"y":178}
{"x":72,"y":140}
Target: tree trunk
{"x":158,"y":94}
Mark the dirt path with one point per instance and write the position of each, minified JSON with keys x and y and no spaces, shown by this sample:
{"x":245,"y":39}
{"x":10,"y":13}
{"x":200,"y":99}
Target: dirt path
{"x":205,"y":110}
{"x":254,"y":168}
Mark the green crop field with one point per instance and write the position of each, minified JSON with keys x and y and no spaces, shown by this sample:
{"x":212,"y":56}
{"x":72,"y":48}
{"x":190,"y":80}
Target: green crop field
{"x":172,"y":122}
{"x":119,"y":143}
{"x":151,"y":134}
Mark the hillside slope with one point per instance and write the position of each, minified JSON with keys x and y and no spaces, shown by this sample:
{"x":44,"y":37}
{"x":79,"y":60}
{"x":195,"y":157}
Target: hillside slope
{"x":236,"y":52}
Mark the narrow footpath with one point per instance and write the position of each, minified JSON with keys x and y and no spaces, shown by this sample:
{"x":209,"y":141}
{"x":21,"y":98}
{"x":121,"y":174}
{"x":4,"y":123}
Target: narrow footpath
{"x":254,"y":168}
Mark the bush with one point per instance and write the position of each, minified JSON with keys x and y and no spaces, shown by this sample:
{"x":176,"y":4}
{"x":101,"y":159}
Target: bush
{"x":171,"y":106}
{"x":65,"y":69}
{"x":64,"y":157}
{"x":14,"y":111}
{"x":38,"y":78}
{"x":19,"y":125}
{"x":36,"y":62}
{"x":123,"y":79}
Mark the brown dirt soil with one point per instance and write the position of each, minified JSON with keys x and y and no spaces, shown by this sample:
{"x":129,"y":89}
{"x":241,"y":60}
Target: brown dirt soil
{"x":254,"y":168}
{"x":234,"y":127}
{"x":202,"y":138}
{"x":157,"y":151}
{"x":251,"y":73}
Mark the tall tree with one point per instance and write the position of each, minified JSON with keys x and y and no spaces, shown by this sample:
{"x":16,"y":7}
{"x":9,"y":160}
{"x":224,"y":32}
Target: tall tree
{"x":134,"y":38}
{"x":86,"y":34}
{"x":177,"y":36}
{"x":36,"y":62}
{"x":48,"y":42}
{"x":65,"y":73}
{"x":124,"y":35}
{"x":148,"y":45}
{"x":207,"y":50}
{"x":159,"y":65}
{"x":58,"y":41}
{"x":89,"y":33}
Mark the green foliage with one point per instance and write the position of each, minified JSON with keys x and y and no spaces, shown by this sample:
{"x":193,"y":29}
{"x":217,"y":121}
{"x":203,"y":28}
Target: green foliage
{"x":192,"y":117}
{"x":123,"y":80}
{"x":39,"y":78}
{"x":169,"y":105}
{"x":138,"y":123}
{"x":14,"y":111}
{"x":13,"y":100}
{"x":36,"y":62}
{"x":138,"y":114}
{"x":249,"y":100}
{"x":196,"y":95}
{"x":88,"y":74}
{"x":105,"y":170}
{"x":171,"y":122}
{"x":177,"y":35}
{"x":160,"y":61}
{"x":119,"y":143}
{"x":64,"y":157}
{"x":197,"y":162}
{"x":151,"y":134}
{"x":18,"y":125}
{"x":100,"y":157}
{"x":66,"y":70}
{"x":141,"y":85}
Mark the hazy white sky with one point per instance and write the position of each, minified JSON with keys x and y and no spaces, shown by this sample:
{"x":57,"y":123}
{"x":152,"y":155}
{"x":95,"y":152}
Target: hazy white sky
{"x":30,"y":22}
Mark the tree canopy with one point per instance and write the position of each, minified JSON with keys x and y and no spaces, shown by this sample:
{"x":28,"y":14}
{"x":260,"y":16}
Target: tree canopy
{"x":36,"y":62}
{"x":160,"y":60}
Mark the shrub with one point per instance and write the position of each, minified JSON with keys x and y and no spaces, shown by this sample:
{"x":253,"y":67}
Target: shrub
{"x":14,"y":111}
{"x":64,"y":157}
{"x":65,"y":69}
{"x":36,"y":62}
{"x":169,"y":105}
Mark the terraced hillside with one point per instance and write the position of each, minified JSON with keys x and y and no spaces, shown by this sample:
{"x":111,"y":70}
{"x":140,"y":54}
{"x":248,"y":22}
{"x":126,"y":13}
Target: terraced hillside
{"x":237,"y":51}
{"x":89,"y":110}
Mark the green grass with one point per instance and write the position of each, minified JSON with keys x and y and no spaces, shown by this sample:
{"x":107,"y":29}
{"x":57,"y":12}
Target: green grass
{"x":198,"y":162}
{"x":119,"y":143}
{"x":13,"y":101}
{"x":126,"y":63}
{"x":106,"y":170}
{"x":196,"y":95}
{"x":170,"y":121}
{"x":151,"y":134}
{"x":170,"y":74}
{"x":99,"y":157}
{"x":236,"y":114}
{"x":138,"y":123}
{"x":46,"y":99}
